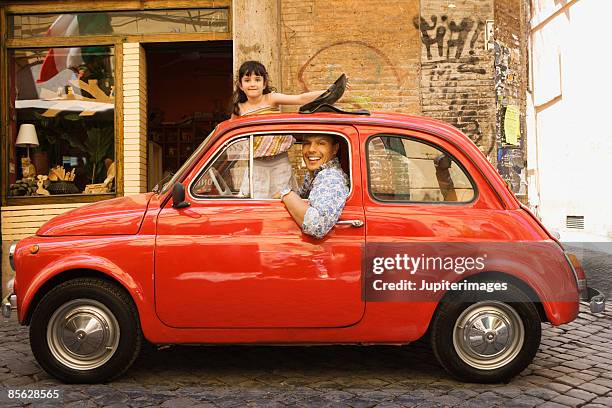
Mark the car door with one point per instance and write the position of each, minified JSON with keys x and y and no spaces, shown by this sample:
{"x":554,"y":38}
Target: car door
{"x":231,"y":261}
{"x":423,"y":199}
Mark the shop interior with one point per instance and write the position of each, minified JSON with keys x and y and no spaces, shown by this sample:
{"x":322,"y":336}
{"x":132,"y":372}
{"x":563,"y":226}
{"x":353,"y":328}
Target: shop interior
{"x":189,"y":91}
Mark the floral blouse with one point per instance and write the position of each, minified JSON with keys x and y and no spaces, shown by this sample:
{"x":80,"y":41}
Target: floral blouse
{"x":327,"y":190}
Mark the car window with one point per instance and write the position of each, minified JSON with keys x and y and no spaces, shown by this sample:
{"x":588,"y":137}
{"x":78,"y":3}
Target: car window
{"x":407,"y":170}
{"x":259,"y":167}
{"x":228,"y":175}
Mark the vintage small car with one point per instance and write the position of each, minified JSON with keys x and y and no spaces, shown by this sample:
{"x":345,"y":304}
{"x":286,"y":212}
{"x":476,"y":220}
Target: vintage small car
{"x":202,"y":262}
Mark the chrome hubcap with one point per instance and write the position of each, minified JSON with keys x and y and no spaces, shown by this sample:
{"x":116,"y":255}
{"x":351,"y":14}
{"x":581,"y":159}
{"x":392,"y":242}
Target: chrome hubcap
{"x":83,"y":334}
{"x":488,"y":335}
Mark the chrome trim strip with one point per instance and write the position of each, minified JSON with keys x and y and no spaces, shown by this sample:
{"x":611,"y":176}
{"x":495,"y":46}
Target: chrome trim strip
{"x":251,"y":140}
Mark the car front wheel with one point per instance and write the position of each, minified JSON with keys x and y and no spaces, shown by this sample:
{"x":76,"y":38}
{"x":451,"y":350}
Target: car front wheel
{"x":486,"y":338}
{"x":85,"y":331}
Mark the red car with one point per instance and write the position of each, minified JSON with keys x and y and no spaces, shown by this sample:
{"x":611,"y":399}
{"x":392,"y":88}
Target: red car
{"x":200,"y":261}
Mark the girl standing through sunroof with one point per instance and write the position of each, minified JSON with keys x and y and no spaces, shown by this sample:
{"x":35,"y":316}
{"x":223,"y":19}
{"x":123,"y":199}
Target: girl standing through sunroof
{"x":253,"y":95}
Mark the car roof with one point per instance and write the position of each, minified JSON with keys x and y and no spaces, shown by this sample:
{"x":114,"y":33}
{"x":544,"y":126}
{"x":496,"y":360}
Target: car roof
{"x":398,"y":120}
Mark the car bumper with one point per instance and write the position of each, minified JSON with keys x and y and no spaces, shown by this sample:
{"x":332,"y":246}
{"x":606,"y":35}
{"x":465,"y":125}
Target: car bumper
{"x":8,"y":304}
{"x":596,"y":300}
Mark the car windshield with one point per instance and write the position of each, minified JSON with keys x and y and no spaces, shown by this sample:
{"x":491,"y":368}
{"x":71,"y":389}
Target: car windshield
{"x":196,"y":153}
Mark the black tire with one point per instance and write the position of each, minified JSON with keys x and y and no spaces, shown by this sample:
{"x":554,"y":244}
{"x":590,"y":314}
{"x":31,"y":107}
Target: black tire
{"x":475,"y":361}
{"x":98,"y":356}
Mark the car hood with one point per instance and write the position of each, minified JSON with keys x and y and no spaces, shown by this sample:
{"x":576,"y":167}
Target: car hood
{"x":118,"y":216}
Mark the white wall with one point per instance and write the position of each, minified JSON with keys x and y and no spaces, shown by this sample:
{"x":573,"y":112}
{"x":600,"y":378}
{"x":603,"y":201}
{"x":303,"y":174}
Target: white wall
{"x":570,"y":148}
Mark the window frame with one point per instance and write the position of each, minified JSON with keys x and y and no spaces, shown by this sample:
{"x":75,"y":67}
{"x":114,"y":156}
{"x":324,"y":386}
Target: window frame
{"x":101,"y":6}
{"x":413,"y":202}
{"x":126,"y":34}
{"x":212,"y":160}
{"x":251,"y":135}
{"x":7,"y":200}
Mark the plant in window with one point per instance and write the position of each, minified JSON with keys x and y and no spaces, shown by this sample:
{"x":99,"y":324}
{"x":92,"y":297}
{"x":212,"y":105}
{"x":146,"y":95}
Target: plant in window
{"x":57,"y":130}
{"x":98,"y":144}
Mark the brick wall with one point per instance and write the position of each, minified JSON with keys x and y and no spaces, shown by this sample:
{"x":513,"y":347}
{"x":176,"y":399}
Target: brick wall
{"x":373,"y":42}
{"x":134,"y":119}
{"x":456,"y":70}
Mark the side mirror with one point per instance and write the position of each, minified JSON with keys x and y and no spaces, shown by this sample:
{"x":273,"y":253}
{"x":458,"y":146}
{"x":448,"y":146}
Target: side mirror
{"x":178,"y":196}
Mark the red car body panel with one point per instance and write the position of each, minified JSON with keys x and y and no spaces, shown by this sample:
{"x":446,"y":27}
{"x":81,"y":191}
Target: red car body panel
{"x":119,"y":216}
{"x":228,"y":272}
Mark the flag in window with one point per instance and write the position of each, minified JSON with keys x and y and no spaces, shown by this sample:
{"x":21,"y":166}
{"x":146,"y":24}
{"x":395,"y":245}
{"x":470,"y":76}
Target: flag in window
{"x":70,"y":25}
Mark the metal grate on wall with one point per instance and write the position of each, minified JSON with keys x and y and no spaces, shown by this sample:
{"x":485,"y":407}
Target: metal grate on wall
{"x":574,"y":221}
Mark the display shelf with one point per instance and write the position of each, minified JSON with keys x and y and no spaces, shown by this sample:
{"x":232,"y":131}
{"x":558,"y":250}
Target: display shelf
{"x":179,"y":139}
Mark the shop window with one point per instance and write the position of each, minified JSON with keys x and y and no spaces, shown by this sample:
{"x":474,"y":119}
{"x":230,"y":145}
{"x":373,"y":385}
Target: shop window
{"x":407,"y":170}
{"x":119,"y":23}
{"x":62,"y":127}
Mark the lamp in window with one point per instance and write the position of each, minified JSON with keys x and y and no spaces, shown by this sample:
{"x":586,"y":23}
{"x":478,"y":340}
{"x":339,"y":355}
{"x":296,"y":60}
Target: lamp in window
{"x":27,"y":138}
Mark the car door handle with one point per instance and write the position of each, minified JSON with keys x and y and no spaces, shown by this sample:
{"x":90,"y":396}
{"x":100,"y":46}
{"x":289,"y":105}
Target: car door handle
{"x":352,"y":223}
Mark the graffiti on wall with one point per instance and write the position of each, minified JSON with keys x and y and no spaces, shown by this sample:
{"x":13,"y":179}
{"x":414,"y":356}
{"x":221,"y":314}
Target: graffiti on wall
{"x":449,"y":37}
{"x":450,"y":56}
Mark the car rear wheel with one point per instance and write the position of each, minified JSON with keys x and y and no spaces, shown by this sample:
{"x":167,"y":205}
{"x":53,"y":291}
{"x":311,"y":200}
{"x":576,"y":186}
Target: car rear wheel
{"x":85,"y":331}
{"x":486,"y":338}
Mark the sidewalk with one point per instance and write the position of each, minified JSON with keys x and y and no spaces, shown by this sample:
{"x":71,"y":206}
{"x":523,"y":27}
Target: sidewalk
{"x":585,"y":240}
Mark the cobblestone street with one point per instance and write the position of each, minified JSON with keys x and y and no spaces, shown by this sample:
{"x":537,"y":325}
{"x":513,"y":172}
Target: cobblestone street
{"x":573,"y":368}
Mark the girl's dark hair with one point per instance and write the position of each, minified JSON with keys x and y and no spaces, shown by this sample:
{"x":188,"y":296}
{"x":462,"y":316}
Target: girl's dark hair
{"x":249,"y":68}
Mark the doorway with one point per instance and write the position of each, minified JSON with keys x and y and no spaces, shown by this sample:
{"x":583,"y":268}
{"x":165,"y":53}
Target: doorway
{"x":189,"y":91}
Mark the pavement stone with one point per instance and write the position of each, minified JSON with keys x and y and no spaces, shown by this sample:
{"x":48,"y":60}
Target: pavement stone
{"x":572,"y":368}
{"x":581,"y":394}
{"x":595,"y":388}
{"x":542,"y":393}
{"x":550,"y":404}
{"x":568,"y":401}
{"x":524,"y":401}
{"x":607,"y":401}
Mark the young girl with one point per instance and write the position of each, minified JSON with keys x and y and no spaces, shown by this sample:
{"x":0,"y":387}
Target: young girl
{"x":253,"y":95}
